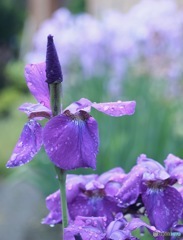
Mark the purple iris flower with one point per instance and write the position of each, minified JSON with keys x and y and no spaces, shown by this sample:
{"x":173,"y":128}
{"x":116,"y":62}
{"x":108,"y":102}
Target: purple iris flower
{"x":70,"y":139}
{"x":150,"y":185}
{"x":90,"y":195}
{"x":163,"y":202}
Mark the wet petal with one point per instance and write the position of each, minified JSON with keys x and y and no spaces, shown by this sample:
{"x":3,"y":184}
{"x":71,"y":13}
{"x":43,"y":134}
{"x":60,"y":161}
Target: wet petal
{"x":116,"y":109}
{"x":137,"y":223}
{"x":83,"y":104}
{"x":28,"y":145}
{"x":35,"y":77}
{"x":89,"y":228}
{"x":130,"y":187}
{"x":53,"y":205}
{"x":153,"y":170}
{"x":174,"y":166}
{"x":71,"y":141}
{"x":37,"y":111}
{"x":164,"y":207}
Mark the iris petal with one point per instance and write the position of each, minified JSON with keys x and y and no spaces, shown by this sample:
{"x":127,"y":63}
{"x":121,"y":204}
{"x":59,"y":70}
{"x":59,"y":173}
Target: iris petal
{"x":28,"y":145}
{"x":116,"y":109}
{"x":163,"y":206}
{"x":71,"y":141}
{"x":35,"y":77}
{"x":35,"y":110}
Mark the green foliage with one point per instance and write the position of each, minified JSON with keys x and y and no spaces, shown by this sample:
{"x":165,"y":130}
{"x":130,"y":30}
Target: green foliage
{"x":75,"y":6}
{"x":14,"y":72}
{"x":8,"y":96}
{"x":12,"y":15}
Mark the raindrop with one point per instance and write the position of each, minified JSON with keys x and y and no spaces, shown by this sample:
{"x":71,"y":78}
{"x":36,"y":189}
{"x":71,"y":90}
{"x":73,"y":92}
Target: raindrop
{"x":51,"y":149}
{"x":20,"y":163}
{"x":29,"y":84}
{"x":20,"y":144}
{"x":69,"y":186}
{"x":52,"y":225}
{"x":14,"y":156}
{"x":106,"y":108}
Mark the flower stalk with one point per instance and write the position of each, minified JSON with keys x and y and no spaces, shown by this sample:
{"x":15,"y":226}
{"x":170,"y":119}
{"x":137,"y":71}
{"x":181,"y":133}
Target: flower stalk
{"x":62,"y":185}
{"x":55,"y":98}
{"x":54,"y":80}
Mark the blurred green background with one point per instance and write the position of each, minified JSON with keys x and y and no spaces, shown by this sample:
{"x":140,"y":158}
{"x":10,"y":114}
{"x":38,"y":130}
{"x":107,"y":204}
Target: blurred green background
{"x":155,"y":129}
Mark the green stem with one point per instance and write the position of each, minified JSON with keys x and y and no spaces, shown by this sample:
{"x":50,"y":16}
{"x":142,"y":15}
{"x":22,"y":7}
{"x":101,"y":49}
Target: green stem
{"x":62,"y":185}
{"x":55,"y":95}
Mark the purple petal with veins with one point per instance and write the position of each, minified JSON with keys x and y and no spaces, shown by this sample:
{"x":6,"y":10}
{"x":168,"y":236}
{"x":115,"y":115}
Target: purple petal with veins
{"x":37,"y":111}
{"x":71,"y":141}
{"x":28,"y":145}
{"x":116,"y":109}
{"x":35,"y":77}
{"x":164,"y":206}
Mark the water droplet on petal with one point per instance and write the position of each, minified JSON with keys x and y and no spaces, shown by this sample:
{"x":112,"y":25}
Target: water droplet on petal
{"x":20,"y":144}
{"x":14,"y":156}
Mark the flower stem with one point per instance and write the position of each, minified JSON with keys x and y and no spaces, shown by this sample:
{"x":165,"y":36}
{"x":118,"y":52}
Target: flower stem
{"x":55,"y":95}
{"x":62,"y":185}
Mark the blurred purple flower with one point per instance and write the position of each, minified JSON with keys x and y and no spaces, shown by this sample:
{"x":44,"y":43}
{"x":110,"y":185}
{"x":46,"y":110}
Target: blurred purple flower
{"x":87,"y":196}
{"x":116,"y":41}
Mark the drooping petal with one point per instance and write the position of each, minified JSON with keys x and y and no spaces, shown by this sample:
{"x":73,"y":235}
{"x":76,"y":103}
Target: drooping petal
{"x":164,"y":207}
{"x":116,"y":109}
{"x":28,"y":145}
{"x":71,"y":141}
{"x":36,"y":111}
{"x":35,"y":76}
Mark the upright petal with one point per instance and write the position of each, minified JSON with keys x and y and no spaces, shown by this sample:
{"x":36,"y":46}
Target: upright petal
{"x":71,"y":141}
{"x":28,"y":145}
{"x":35,"y":76}
{"x":116,"y":109}
{"x":174,"y":166}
